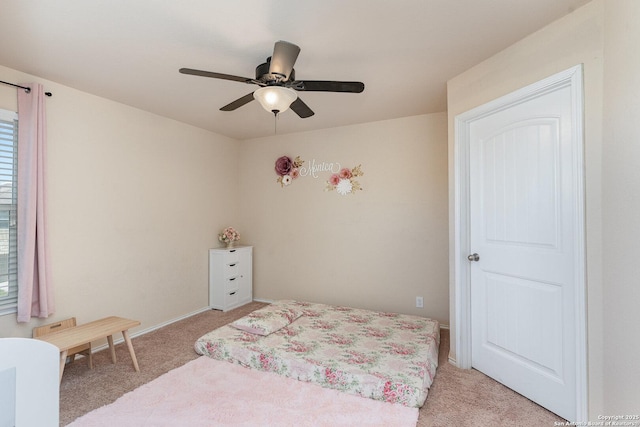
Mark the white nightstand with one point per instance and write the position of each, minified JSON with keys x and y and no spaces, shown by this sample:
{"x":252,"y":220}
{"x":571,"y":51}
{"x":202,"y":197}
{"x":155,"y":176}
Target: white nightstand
{"x":230,"y":277}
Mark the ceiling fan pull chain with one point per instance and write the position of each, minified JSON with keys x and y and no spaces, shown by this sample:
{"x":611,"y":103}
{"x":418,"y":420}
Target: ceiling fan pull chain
{"x":275,"y":122}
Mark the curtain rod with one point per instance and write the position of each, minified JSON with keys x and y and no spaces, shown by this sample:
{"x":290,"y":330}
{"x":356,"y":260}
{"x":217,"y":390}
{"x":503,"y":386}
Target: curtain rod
{"x":26,"y":89}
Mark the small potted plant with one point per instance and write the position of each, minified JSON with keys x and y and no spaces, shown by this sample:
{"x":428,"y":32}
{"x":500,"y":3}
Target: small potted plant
{"x":229,"y":236}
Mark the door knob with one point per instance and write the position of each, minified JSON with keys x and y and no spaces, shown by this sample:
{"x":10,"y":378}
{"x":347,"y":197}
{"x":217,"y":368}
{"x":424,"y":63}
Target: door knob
{"x":474,"y":257}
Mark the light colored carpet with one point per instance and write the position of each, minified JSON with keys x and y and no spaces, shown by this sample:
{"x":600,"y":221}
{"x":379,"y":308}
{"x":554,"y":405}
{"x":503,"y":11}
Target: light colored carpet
{"x":207,"y":392}
{"x":457,"y":397}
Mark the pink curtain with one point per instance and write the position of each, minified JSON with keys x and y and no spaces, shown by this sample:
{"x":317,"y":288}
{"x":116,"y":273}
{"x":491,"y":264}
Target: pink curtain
{"x":35,"y":290}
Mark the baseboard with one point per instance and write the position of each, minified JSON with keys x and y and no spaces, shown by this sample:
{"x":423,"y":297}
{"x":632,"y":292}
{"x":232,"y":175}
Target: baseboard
{"x":151,"y":329}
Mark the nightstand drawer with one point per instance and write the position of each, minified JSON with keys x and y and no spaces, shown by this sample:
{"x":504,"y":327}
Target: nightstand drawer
{"x":231,"y":256}
{"x":231,"y":270}
{"x":232,"y":283}
{"x":231,"y":297}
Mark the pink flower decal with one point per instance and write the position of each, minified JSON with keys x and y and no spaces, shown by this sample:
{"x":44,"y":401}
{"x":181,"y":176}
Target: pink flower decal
{"x":344,"y":181}
{"x":284,"y":165}
{"x":345,"y":173}
{"x":288,"y":169}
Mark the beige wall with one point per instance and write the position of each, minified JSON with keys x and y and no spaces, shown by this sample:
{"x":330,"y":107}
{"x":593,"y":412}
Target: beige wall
{"x":134,"y":204}
{"x":137,"y":199}
{"x":621,"y":207}
{"x":603,"y":36}
{"x":376,"y":249}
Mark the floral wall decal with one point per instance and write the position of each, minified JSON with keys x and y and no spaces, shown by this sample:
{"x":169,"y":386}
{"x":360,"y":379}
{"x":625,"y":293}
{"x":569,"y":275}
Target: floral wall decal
{"x":344,"y":181}
{"x":288,"y":169}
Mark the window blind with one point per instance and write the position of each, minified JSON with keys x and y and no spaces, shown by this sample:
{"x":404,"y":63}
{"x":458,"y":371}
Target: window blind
{"x":8,"y":212}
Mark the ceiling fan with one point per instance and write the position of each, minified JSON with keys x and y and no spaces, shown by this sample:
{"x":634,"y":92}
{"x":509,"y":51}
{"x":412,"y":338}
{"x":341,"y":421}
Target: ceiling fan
{"x":278,"y":84}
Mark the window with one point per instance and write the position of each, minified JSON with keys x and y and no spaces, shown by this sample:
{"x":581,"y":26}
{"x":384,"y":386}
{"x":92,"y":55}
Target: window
{"x":8,"y":211}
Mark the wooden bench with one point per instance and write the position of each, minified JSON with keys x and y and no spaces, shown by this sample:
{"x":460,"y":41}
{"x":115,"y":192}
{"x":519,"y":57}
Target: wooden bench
{"x":69,"y":338}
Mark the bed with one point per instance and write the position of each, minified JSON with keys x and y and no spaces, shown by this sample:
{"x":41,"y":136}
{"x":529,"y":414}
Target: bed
{"x":384,"y":356}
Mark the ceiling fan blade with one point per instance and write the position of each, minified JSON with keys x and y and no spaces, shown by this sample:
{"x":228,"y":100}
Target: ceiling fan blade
{"x":283,"y":58}
{"x":238,"y":102}
{"x":301,"y":109}
{"x":215,"y":75}
{"x":328,"y":86}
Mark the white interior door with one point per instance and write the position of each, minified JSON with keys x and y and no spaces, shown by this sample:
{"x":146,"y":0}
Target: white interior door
{"x":525,"y":226}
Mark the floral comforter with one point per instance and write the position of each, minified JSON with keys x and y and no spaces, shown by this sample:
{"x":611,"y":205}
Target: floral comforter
{"x":383,"y":356}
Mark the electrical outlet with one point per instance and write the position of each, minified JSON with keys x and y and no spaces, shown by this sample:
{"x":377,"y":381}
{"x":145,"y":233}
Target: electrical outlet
{"x":419,"y":302}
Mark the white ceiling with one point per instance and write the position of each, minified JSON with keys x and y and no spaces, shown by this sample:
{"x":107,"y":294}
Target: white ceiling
{"x":130,"y":51}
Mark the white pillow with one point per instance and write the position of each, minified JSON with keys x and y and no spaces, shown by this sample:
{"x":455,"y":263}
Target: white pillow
{"x":267,"y":320}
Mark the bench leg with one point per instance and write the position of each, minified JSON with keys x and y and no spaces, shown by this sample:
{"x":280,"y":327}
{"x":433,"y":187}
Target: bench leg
{"x":112,"y":348}
{"x":125,"y":334}
{"x":63,"y":361}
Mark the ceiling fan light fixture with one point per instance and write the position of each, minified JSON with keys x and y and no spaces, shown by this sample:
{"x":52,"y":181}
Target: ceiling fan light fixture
{"x":275,"y":99}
